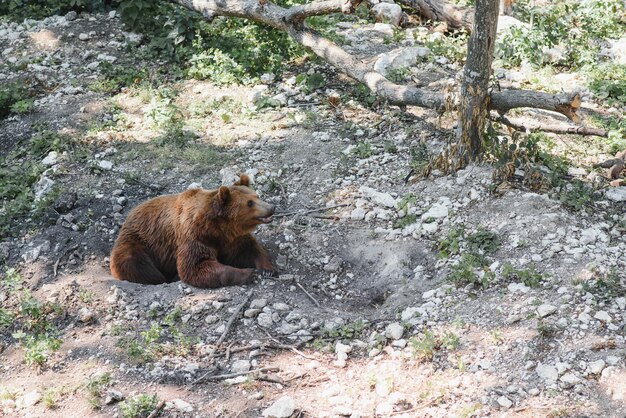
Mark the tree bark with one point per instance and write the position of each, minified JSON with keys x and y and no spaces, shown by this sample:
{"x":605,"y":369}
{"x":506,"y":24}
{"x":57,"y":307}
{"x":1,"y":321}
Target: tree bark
{"x":474,"y":106}
{"x":557,"y":129}
{"x":440,"y":10}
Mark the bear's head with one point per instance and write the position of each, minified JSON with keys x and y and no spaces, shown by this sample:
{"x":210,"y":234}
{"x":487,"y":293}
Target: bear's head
{"x":241,"y":208}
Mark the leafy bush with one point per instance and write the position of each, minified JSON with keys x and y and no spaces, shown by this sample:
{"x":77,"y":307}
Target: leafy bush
{"x":576,"y":27}
{"x":139,"y":406}
{"x":14,"y":99}
{"x":38,"y":9}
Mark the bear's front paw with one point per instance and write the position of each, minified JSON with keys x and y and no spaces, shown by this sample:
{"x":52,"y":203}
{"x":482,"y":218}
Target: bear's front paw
{"x":266,"y":274}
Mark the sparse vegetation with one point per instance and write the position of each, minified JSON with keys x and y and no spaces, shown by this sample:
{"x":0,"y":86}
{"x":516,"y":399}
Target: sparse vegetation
{"x":426,"y":345}
{"x":139,"y":406}
{"x":95,"y":386}
{"x":529,"y":276}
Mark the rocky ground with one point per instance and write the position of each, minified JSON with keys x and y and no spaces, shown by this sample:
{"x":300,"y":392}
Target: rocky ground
{"x":438,"y":297}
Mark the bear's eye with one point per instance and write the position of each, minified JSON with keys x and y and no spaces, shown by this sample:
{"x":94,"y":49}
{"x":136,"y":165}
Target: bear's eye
{"x":250,"y":203}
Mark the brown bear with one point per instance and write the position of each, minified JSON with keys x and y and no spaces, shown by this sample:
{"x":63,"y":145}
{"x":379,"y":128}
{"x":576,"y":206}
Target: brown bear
{"x":202,"y":237}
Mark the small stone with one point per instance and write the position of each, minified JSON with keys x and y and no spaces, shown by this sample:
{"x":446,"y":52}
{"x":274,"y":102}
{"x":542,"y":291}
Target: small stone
{"x":105,"y":165}
{"x":282,"y":408}
{"x":546,"y":310}
{"x":211,"y":319}
{"x":180,"y":405}
{"x":281,"y":307}
{"x":113,"y":396}
{"x":547,"y":372}
{"x":31,"y":398}
{"x":85,"y":315}
{"x":265,"y":320}
{"x":596,"y":367}
{"x":71,"y":16}
{"x":51,"y":159}
{"x":505,"y":402}
{"x":258,"y":303}
{"x":436,"y":211}
{"x":83,"y":37}
{"x":394,"y":331}
{"x":382,"y":199}
{"x":239,"y":366}
{"x":388,"y":12}
{"x":603,"y":316}
{"x":569,"y":380}
{"x":358,"y":214}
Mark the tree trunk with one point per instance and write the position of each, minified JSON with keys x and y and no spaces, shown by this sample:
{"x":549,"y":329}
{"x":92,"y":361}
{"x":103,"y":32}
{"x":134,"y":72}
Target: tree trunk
{"x":474,"y":106}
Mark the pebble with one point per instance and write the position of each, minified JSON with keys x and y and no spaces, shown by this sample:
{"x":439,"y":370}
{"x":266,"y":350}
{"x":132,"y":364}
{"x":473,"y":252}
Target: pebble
{"x":546,"y":310}
{"x":547,"y":372}
{"x":282,"y":408}
{"x":394,"y":331}
{"x":505,"y":402}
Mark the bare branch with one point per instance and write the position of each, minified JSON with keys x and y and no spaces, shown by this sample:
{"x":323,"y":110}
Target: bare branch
{"x":317,"y":8}
{"x":557,"y":129}
{"x":565,"y":103}
{"x":440,"y":10}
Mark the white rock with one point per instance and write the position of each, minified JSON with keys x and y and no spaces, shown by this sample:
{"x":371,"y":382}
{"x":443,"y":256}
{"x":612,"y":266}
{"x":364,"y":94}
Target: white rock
{"x":388,"y":12}
{"x":358,"y":214}
{"x":85,"y":315}
{"x":31,"y":398}
{"x":603,"y":316}
{"x":43,"y":187}
{"x":616,"y":194}
{"x":282,"y":408}
{"x":569,"y":380}
{"x":180,"y":405}
{"x":546,"y":310}
{"x":383,"y":199}
{"x":194,"y":185}
{"x":518,"y":288}
{"x":394,"y":331}
{"x":437,"y":211}
{"x":51,"y":159}
{"x":239,"y":366}
{"x":547,"y":372}
{"x":105,"y":165}
{"x":83,"y":37}
{"x":596,"y":367}
{"x":258,"y":303}
{"x":617,"y":51}
{"x":257,"y":93}
{"x":265,"y":320}
{"x":401,"y":57}
{"x":505,"y":402}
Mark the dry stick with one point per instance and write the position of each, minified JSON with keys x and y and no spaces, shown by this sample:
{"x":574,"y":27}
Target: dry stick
{"x":231,"y":375}
{"x":559,"y":129}
{"x":56,"y":265}
{"x":304,"y":212}
{"x":232,"y":319}
{"x":157,"y":410}
{"x":203,"y":376}
{"x":307,"y":293}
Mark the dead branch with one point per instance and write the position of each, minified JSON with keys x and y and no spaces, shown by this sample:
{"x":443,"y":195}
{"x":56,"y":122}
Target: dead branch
{"x":157,"y":410}
{"x":232,"y":319}
{"x":290,"y":20}
{"x":231,"y":375}
{"x":565,"y":103}
{"x":557,"y":129}
{"x":304,"y":212}
{"x":440,"y":10}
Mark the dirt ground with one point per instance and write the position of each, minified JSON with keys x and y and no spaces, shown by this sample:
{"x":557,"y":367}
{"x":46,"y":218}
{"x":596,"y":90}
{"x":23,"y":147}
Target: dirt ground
{"x":366,"y":319}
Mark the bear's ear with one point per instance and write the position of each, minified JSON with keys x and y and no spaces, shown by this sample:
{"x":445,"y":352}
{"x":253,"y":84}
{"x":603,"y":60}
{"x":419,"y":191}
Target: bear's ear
{"x":221,"y":199}
{"x":244,"y":180}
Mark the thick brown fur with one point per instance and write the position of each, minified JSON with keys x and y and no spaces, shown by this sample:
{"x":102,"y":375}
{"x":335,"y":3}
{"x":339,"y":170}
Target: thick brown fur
{"x":203,"y":237}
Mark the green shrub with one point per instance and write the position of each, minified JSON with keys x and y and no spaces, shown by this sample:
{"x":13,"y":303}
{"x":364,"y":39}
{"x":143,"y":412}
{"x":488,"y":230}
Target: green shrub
{"x":139,"y":406}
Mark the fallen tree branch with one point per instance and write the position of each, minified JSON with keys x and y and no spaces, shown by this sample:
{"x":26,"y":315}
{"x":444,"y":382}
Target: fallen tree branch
{"x":557,"y":129}
{"x":231,"y":375}
{"x":440,"y":10}
{"x":304,"y":212}
{"x":290,"y":20}
{"x":157,"y":410}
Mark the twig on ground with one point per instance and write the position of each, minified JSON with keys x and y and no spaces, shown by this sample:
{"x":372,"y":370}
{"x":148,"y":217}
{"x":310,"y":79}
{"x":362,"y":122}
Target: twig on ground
{"x":201,"y":378}
{"x":157,"y":410}
{"x":272,"y":379}
{"x":304,"y":212}
{"x":231,"y":375}
{"x":307,"y":293}
{"x":232,"y":319}
{"x":297,"y":283}
{"x":56,"y":265}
